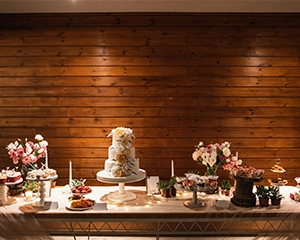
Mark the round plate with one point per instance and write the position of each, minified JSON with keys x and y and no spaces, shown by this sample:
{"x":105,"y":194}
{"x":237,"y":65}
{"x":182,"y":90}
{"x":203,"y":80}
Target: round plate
{"x":78,"y":209}
{"x":80,"y":194}
{"x":277,"y":171}
{"x":104,"y":176}
{"x":198,"y":205}
{"x":16,"y":182}
{"x":277,"y":184}
{"x":43,"y":179}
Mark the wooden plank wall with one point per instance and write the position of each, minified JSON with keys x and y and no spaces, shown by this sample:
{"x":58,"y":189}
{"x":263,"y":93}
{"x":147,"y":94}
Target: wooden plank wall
{"x":175,"y":79}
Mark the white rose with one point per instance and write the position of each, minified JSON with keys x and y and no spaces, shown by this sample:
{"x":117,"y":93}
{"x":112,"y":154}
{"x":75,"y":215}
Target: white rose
{"x":195,"y":155}
{"x":11,"y":146}
{"x":28,"y":148}
{"x":226,"y":152}
{"x":38,"y":137}
{"x":43,"y":143}
{"x":226,"y":144}
{"x":205,"y":157}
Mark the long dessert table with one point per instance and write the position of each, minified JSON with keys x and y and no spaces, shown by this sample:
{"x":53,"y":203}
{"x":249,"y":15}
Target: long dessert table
{"x":148,"y":215}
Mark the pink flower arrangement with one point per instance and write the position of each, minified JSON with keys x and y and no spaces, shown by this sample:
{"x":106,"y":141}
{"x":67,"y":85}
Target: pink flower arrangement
{"x":214,"y":155}
{"x":28,"y":152}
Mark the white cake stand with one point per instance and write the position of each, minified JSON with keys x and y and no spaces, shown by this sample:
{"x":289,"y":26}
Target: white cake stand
{"x":121,"y":195}
{"x":5,"y":199}
{"x":42,"y":188}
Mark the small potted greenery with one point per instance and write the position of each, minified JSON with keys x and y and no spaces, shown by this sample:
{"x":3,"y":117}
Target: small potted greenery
{"x":225,"y":187}
{"x":30,"y":186}
{"x":13,"y":189}
{"x":275,"y":195}
{"x":263,"y":194}
{"x":167,"y":187}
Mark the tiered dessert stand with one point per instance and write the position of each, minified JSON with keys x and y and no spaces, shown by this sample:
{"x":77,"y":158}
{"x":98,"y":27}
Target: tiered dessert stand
{"x":193,"y":203}
{"x":42,"y":188}
{"x":5,"y":200}
{"x":278,"y":161}
{"x":121,"y":195}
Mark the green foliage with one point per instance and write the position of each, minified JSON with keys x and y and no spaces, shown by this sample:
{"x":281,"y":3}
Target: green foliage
{"x":168,"y":184}
{"x":30,"y":185}
{"x":262,"y":191}
{"x":274,"y":192}
{"x":225,"y":185}
{"x":76,"y":182}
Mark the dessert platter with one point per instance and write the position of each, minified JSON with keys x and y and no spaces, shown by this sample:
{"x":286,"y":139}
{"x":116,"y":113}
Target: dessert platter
{"x":278,"y":181}
{"x":79,"y":189}
{"x":295,"y":195}
{"x":193,"y":183}
{"x":80,"y":204}
{"x":41,"y":175}
{"x":195,"y":202}
{"x":121,"y":166}
{"x":78,"y":200}
{"x":45,"y":174}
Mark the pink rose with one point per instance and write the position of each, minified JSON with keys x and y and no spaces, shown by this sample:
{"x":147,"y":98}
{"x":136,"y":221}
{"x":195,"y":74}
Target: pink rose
{"x":26,"y":160}
{"x":20,"y":151}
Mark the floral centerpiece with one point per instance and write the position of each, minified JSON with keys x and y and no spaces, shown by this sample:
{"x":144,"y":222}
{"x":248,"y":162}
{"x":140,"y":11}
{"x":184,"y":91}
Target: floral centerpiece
{"x":212,"y":156}
{"x":28,"y":152}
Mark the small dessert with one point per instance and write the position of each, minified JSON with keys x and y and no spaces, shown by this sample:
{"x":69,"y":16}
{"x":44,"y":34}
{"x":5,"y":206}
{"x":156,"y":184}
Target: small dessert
{"x":277,"y":168}
{"x":295,"y":196}
{"x":278,"y":181}
{"x":13,"y":176}
{"x":38,"y":172}
{"x":50,"y":172}
{"x":43,"y":173}
{"x":82,"y":203}
{"x":81,"y":190}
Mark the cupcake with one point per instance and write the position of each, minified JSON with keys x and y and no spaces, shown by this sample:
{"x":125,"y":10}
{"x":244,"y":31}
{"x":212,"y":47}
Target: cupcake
{"x":13,"y":176}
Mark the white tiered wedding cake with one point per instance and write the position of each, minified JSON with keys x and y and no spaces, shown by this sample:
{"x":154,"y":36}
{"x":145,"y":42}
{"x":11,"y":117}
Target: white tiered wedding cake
{"x":121,"y":163}
{"x":121,"y":160}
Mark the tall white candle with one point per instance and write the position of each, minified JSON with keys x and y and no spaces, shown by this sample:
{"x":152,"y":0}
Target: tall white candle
{"x":70,"y":173}
{"x":237,"y":156}
{"x":172,"y":168}
{"x":46,"y":160}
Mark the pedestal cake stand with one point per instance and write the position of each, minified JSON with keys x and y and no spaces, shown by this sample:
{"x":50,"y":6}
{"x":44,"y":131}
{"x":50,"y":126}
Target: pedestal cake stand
{"x":121,"y":195}
{"x":5,"y":199}
{"x":193,"y":203}
{"x":42,"y":188}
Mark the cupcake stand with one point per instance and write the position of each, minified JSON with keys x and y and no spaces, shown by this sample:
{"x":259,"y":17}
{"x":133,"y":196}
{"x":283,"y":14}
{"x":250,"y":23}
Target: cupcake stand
{"x":42,"y":188}
{"x":193,"y":203}
{"x":121,"y":195}
{"x":5,"y":200}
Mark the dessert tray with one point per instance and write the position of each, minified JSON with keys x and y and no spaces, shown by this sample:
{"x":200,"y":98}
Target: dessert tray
{"x":80,"y":205}
{"x":16,"y":182}
{"x":78,"y":209}
{"x":278,"y":171}
{"x":193,"y":203}
{"x":41,"y":178}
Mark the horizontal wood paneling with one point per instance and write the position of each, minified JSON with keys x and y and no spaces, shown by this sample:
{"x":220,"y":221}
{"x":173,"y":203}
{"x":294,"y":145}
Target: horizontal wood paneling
{"x":175,"y":79}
